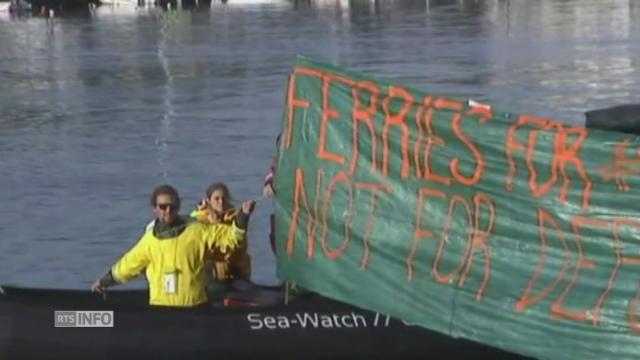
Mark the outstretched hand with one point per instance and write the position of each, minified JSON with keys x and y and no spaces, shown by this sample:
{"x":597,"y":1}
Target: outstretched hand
{"x":248,"y":206}
{"x":98,"y":287}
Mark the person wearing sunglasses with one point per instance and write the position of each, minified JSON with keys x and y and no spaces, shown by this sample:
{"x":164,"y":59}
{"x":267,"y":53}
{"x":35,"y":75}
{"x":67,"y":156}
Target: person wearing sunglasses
{"x":173,"y":253}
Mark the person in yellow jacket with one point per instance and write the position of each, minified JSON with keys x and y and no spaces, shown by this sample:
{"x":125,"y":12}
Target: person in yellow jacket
{"x":173,"y":252}
{"x":216,"y":208}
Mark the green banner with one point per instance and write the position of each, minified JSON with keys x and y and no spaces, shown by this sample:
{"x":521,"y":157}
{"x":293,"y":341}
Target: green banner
{"x":511,"y":230}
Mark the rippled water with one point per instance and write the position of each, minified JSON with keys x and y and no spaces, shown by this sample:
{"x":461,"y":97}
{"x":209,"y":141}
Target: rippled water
{"x":98,"y":108}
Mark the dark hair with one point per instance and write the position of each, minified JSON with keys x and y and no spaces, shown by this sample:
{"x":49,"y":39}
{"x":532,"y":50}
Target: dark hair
{"x":165,"y":190}
{"x":219,"y":186}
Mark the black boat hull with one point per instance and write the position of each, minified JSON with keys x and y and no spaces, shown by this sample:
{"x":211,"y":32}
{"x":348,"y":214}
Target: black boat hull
{"x":621,"y":118}
{"x":308,"y":328}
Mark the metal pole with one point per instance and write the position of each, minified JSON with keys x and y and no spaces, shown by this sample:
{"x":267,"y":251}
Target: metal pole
{"x":286,"y":292}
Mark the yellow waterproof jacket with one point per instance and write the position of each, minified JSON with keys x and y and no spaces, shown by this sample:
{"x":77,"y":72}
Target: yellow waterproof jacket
{"x":235,"y":264}
{"x":183,"y":255}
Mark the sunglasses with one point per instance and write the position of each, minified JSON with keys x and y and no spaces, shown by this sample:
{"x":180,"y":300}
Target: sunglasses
{"x":165,"y":206}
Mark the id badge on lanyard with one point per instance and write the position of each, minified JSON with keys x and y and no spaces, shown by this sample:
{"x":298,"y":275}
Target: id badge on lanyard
{"x":170,"y":282}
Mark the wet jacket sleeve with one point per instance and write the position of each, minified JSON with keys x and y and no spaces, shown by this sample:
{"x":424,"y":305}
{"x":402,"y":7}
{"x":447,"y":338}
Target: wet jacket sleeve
{"x":224,"y":237}
{"x":132,"y":263}
{"x":107,"y":279}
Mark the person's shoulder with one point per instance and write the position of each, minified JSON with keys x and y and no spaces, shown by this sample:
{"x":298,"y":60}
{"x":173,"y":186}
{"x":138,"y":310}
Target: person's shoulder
{"x":147,"y":236}
{"x":149,"y":226}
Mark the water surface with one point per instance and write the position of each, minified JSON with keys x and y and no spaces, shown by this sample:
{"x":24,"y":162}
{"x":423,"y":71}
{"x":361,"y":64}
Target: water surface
{"x":97,"y":108}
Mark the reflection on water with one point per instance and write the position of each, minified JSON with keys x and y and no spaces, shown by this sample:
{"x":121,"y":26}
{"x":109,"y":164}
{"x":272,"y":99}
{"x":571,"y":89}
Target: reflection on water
{"x":169,"y":113}
{"x":98,"y":106}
